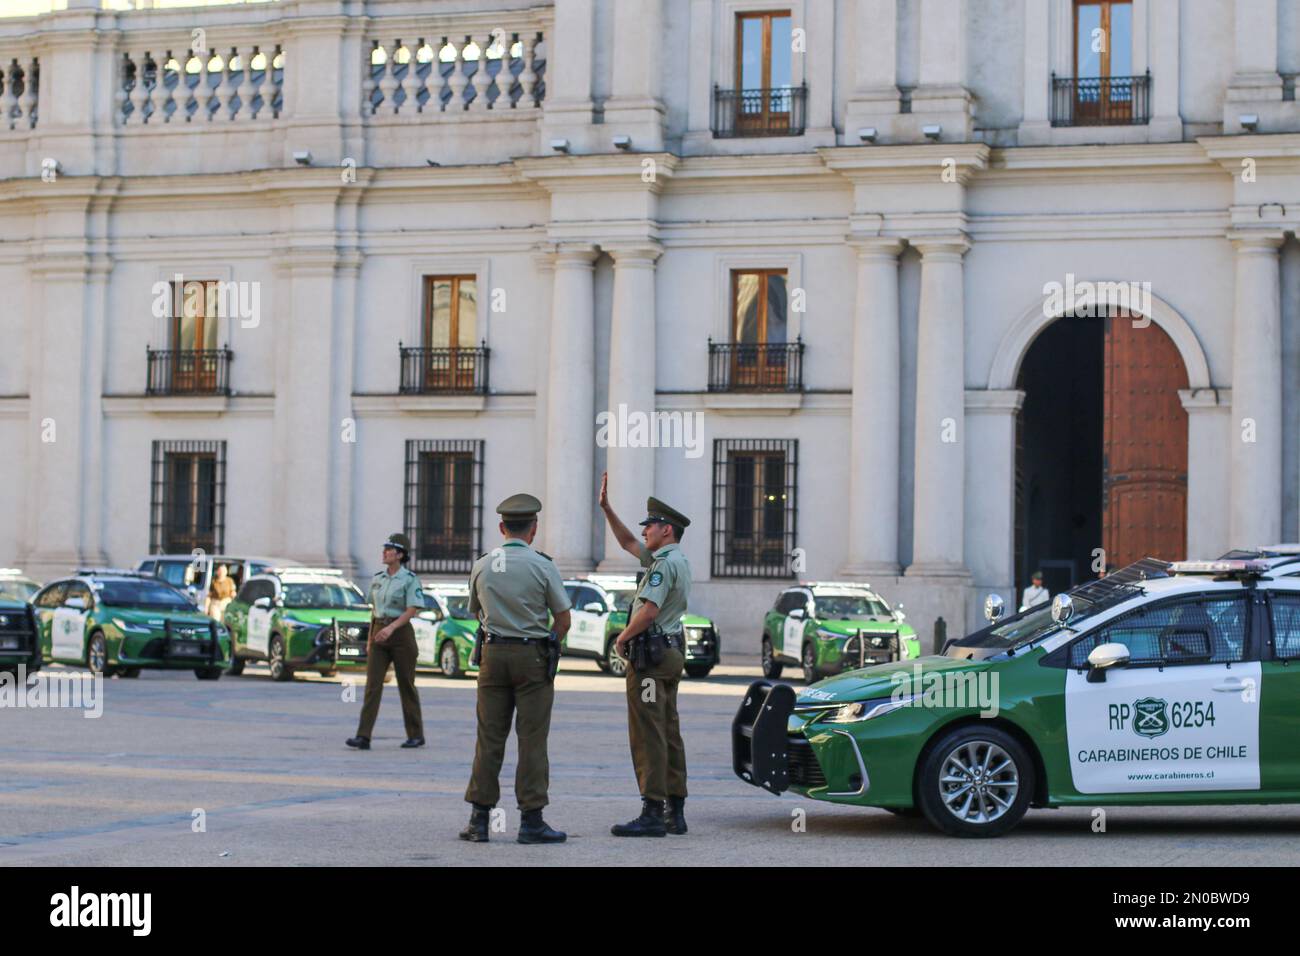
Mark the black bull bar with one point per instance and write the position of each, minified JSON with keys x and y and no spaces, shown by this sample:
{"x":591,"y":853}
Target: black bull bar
{"x":759,"y":744}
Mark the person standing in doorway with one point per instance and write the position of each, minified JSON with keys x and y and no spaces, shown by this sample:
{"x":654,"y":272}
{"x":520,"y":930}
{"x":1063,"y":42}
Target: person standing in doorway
{"x":1035,"y":594}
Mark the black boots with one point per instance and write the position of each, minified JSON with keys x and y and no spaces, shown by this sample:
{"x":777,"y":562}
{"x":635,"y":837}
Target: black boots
{"x":476,"y":831}
{"x":359,"y":743}
{"x":533,"y":829}
{"x":676,"y":817}
{"x":413,"y":742}
{"x":649,"y":824}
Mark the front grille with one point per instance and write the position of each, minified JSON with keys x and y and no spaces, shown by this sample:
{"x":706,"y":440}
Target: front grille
{"x":16,"y":631}
{"x":870,"y":648}
{"x":700,"y":642}
{"x":802,"y":763}
{"x":351,"y":640}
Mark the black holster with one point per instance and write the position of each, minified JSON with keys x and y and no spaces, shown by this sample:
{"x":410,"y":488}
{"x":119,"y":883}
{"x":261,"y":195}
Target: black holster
{"x":476,"y":655}
{"x":552,"y":657}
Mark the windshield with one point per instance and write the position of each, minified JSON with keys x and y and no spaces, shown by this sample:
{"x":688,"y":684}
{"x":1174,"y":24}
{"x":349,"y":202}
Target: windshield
{"x":1030,"y":626}
{"x":849,"y":608}
{"x":17,"y":589}
{"x":141,"y":594}
{"x":331,"y":595}
{"x":622,"y":598}
{"x":458,"y":606}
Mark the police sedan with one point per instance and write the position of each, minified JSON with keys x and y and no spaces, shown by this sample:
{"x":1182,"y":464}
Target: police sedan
{"x":1158,"y":685}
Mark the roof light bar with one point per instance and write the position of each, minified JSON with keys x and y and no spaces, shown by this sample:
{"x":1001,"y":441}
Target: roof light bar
{"x":1232,"y":567}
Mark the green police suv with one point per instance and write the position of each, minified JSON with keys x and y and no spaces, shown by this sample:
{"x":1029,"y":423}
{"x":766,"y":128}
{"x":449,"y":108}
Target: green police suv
{"x":18,"y":635}
{"x":600,"y":611}
{"x":299,"y":618}
{"x":827,"y":628}
{"x":118,"y":622}
{"x":1158,"y":684}
{"x":445,"y":632}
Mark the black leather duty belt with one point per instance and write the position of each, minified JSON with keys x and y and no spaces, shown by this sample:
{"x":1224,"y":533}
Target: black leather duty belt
{"x":502,"y":639}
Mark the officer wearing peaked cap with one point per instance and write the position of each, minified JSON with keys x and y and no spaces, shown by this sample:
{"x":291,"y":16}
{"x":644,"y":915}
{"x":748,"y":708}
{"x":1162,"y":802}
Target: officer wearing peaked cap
{"x":395,"y":598}
{"x":658,"y":652}
{"x":511,"y":590}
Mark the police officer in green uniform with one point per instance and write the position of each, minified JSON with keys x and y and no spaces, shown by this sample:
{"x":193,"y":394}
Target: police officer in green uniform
{"x":655,"y":668}
{"x":511,"y":589}
{"x":395,"y":598}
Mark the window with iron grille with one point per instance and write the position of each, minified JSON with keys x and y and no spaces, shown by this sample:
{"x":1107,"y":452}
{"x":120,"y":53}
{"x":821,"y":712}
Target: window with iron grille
{"x":444,"y":503}
{"x":188,"y":497}
{"x":754,"y":512}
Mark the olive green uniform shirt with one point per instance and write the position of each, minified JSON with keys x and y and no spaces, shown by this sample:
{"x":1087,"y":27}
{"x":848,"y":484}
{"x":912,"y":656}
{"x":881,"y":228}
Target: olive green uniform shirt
{"x":392,"y":594}
{"x":514,"y":587}
{"x":666,"y":582}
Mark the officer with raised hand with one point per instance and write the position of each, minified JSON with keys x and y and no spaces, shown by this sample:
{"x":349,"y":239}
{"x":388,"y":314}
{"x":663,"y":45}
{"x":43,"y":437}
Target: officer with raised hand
{"x":511,"y":590}
{"x":654,"y":644}
{"x":395,"y":598}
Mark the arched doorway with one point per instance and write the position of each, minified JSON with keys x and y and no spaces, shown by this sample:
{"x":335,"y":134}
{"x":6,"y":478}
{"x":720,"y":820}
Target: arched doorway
{"x":1101,"y":449}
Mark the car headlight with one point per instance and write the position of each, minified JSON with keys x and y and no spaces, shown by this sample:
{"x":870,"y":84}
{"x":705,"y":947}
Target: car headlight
{"x":127,"y":628}
{"x":867,"y":709}
{"x":826,"y":635}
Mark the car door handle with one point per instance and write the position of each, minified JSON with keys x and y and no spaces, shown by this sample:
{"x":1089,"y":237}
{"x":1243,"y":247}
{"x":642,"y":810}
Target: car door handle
{"x":1232,"y":686}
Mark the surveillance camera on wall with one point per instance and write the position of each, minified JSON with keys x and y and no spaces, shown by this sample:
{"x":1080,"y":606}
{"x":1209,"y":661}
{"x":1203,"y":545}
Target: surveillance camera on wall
{"x":932,"y":132}
{"x":1248,"y":121}
{"x":302,"y":157}
{"x":867,"y":134}
{"x":560,"y":145}
{"x":622,"y":142}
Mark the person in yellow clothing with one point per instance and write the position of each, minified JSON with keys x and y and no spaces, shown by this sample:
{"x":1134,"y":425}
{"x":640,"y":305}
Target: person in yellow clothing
{"x":220,"y":591}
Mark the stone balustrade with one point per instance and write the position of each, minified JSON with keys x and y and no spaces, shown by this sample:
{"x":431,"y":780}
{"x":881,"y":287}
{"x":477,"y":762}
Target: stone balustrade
{"x":174,"y":86}
{"x":495,"y":72}
{"x":19,"y":91}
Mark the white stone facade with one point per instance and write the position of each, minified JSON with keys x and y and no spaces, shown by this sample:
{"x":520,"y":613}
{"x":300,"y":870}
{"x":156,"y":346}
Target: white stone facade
{"x":923,"y":258}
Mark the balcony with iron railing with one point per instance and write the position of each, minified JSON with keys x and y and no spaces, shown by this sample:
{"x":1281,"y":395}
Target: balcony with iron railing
{"x":444,"y":371}
{"x":1101,"y":101}
{"x":758,"y":367}
{"x":779,"y":111}
{"x":188,"y":371}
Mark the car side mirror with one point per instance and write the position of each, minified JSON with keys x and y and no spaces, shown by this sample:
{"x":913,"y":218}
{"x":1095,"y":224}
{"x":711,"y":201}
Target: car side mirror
{"x":1103,"y":657}
{"x":76,"y":603}
{"x":594,"y":607}
{"x":798,"y":614}
{"x":262,"y":602}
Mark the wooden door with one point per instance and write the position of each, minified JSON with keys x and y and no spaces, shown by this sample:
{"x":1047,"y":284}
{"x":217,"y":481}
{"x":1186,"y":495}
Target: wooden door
{"x":1144,"y":477}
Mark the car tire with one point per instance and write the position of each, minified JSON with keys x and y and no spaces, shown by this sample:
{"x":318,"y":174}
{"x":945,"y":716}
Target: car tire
{"x":330,"y":672}
{"x":809,"y":659}
{"x":771,"y":666}
{"x":236,"y":665}
{"x":280,"y":669}
{"x":698,"y":670}
{"x":208,"y":673}
{"x":97,"y":655}
{"x":974,"y":753}
{"x":613,"y":663}
{"x":449,"y":660}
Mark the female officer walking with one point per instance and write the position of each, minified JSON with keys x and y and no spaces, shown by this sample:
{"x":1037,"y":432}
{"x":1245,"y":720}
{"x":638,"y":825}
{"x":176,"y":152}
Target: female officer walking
{"x":395,"y":598}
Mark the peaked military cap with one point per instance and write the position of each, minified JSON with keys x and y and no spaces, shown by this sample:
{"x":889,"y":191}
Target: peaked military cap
{"x":399,"y":541}
{"x":656,"y":510}
{"x":519,"y":507}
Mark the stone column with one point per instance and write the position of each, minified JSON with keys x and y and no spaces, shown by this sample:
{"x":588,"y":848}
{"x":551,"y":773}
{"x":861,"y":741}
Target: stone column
{"x":568,"y":508}
{"x":1035,"y":125}
{"x":875,"y":68}
{"x":874,"y":417}
{"x":991,"y":490}
{"x":570,"y":46}
{"x":1255,"y":503}
{"x":634,"y":107}
{"x":941,"y":95}
{"x":1209,"y":431}
{"x":631,"y":390}
{"x":1166,"y":121}
{"x":938,"y":498}
{"x":1255,"y":86}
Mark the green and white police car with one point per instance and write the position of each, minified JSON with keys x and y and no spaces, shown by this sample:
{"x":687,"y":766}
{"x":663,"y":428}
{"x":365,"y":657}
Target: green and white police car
{"x":119,"y":622}
{"x":445,"y":632}
{"x":828,"y":627}
{"x":600,"y":612}
{"x":1159,"y":685}
{"x":299,"y":618}
{"x":18,"y":634}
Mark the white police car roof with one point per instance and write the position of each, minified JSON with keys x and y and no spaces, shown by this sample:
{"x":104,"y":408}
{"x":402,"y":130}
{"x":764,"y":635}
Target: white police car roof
{"x":446,"y":587}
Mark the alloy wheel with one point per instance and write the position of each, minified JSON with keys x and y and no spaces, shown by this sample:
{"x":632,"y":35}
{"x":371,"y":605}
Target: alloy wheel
{"x":978,"y":781}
